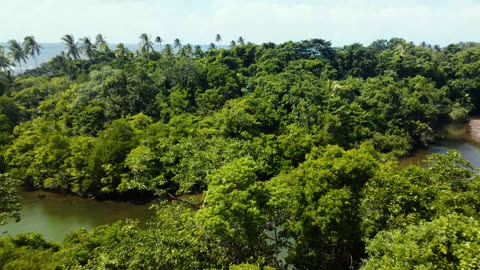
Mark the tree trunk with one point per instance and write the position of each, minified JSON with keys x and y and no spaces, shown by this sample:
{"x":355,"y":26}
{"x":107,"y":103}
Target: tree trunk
{"x":36,"y":65}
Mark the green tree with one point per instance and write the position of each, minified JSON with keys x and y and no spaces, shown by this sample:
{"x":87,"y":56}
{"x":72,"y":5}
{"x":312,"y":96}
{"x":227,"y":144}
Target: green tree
{"x":32,"y":47}
{"x":241,"y":41}
{"x":27,"y":251}
{"x":17,"y":53}
{"x":88,"y":48}
{"x":159,"y":40}
{"x":9,"y":199}
{"x":121,"y":50}
{"x":317,"y":206}
{"x":218,"y":38}
{"x":447,"y":242}
{"x":71,"y":47}
{"x":394,"y":199}
{"x":177,"y":44}
{"x":146,"y":45}
{"x":101,"y":43}
{"x":5,"y":63}
{"x":236,"y":214}
{"x":212,"y":47}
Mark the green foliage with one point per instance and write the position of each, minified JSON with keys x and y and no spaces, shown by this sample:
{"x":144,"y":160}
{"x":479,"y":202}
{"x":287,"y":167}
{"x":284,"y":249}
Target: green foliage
{"x":235,"y":216}
{"x":317,"y":205}
{"x":173,"y":240}
{"x":393,"y":199}
{"x":281,"y":138}
{"x":9,"y":199}
{"x":447,"y":242}
{"x":27,"y":251}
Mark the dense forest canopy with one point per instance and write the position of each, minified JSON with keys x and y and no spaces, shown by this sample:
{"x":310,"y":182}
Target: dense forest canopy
{"x":293,"y":146}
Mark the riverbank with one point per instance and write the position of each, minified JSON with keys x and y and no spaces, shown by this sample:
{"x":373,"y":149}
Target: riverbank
{"x":474,"y":129}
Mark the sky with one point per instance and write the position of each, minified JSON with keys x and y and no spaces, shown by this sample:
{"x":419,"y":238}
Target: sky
{"x":198,"y":21}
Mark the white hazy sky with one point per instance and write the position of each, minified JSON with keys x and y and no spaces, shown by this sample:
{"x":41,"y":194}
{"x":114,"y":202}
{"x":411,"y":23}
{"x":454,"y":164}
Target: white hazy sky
{"x":197,"y":21}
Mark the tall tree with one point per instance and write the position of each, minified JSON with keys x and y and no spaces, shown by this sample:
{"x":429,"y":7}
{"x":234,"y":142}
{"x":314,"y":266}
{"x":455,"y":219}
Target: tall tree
{"x":159,"y":40}
{"x":101,"y":42}
{"x":88,"y":48}
{"x":212,"y":46}
{"x":146,"y":44}
{"x":177,"y":44}
{"x":197,"y":52}
{"x":71,"y":47}
{"x":187,"y":50}
{"x":5,"y":63}
{"x":218,"y":38}
{"x":121,"y":50}
{"x":241,"y":41}
{"x":232,"y":43}
{"x":32,"y":47}
{"x":168,"y":50}
{"x":16,"y":52}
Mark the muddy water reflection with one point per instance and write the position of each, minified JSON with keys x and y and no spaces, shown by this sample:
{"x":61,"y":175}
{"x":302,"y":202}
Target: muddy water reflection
{"x":56,"y":215}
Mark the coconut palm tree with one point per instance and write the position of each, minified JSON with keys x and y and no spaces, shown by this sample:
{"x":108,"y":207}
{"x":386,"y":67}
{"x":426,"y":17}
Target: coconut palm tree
{"x":232,"y":43}
{"x":187,"y":50}
{"x":71,"y":47}
{"x":17,"y":53}
{"x":159,"y":40}
{"x":5,"y":63}
{"x":88,"y":48}
{"x":32,"y":47}
{"x":168,"y":50}
{"x":177,"y":44}
{"x":197,"y":52}
{"x":241,"y":41}
{"x":218,"y":38}
{"x":101,"y":43}
{"x":146,"y":44}
{"x":211,"y":46}
{"x":121,"y":50}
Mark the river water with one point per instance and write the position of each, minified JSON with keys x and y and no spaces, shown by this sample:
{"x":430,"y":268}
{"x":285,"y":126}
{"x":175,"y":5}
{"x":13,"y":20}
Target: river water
{"x":464,"y":138}
{"x":56,"y":215}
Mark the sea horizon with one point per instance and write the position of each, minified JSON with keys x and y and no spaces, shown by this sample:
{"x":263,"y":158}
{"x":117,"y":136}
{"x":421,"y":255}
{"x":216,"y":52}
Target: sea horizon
{"x":52,"y":49}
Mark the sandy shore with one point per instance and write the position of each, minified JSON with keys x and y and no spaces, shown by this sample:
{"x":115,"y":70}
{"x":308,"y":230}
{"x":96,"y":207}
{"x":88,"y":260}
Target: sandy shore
{"x":474,"y":128}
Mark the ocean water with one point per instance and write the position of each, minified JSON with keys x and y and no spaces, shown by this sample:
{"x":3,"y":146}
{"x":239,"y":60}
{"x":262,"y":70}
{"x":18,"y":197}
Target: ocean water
{"x":51,"y":50}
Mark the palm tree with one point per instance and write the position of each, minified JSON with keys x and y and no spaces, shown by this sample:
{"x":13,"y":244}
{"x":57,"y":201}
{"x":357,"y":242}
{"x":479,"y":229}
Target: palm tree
{"x":232,"y":43}
{"x":168,"y":50}
{"x":159,"y":40}
{"x":218,"y":38}
{"x":177,"y":44}
{"x":121,"y":50}
{"x":32,"y":47}
{"x":211,"y":46}
{"x":88,"y":48}
{"x":187,"y":50}
{"x":101,"y":43}
{"x":197,"y":52}
{"x":71,"y":49}
{"x":5,"y":63}
{"x":146,"y":44}
{"x":241,"y":41}
{"x":17,"y":53}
